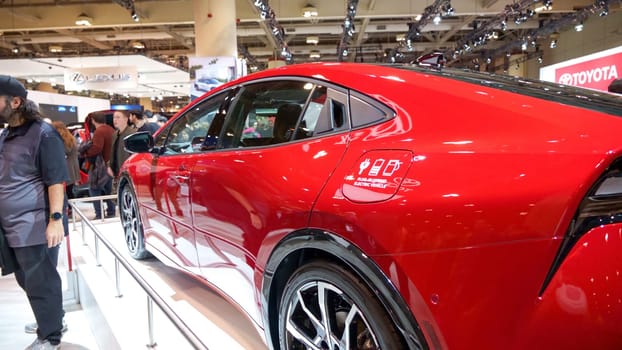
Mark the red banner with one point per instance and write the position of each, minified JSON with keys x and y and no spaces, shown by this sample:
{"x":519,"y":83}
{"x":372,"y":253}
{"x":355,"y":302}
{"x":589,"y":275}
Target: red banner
{"x":594,"y":74}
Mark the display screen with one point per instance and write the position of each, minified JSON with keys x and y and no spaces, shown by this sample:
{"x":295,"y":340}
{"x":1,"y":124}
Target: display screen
{"x":66,"y":114}
{"x":126,"y":107}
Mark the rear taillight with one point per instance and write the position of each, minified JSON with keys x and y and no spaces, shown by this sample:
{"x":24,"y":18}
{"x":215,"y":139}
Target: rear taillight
{"x":601,"y":206}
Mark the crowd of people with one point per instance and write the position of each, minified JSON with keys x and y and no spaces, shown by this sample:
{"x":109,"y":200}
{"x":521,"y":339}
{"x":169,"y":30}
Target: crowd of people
{"x":39,"y":172}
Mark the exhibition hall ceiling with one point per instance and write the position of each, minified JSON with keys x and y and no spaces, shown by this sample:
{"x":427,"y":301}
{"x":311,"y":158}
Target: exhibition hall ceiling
{"x":363,"y":31}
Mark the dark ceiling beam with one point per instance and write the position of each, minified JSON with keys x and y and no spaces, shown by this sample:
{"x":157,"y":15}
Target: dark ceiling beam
{"x":348,"y":30}
{"x":267,"y":14}
{"x":264,"y":27}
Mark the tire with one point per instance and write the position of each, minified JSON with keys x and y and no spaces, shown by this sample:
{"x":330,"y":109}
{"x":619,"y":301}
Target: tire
{"x":346,"y":300}
{"x":132,"y":226}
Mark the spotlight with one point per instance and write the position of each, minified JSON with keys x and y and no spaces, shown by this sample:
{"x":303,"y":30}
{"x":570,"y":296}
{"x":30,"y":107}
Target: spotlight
{"x":553,"y":44}
{"x":437,"y":19}
{"x":578,"y":27}
{"x":604,"y":11}
{"x":135,"y":16}
{"x":523,"y":46}
{"x":548,"y":4}
{"x":540,"y":59}
{"x":488,"y":60}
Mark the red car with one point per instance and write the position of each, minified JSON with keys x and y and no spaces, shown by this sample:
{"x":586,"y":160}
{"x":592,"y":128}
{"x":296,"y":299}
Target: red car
{"x":392,"y":207}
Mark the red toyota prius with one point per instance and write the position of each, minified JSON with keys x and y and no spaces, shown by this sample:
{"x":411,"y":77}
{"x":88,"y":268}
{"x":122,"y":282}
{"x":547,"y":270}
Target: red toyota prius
{"x":354,"y":206}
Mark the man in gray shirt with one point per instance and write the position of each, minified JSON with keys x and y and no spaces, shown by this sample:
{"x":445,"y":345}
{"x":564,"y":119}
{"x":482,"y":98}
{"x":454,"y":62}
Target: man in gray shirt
{"x":33,"y":173}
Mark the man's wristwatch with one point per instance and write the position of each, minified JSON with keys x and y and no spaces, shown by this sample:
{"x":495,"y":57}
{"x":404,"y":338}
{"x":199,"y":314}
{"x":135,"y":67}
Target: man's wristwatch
{"x":56,"y":216}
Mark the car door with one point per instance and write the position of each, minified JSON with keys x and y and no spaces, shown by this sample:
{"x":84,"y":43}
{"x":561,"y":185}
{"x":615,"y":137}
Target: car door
{"x":181,"y":145}
{"x":261,"y":185}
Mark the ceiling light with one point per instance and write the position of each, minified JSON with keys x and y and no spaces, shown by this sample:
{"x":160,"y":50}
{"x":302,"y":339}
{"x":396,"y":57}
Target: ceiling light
{"x":314,"y":54}
{"x":55,"y":48}
{"x":135,"y":16}
{"x":578,"y":27}
{"x":309,"y":11}
{"x":553,"y":44}
{"x":15,"y":49}
{"x":313,"y":40}
{"x":84,"y":20}
{"x":138,"y":45}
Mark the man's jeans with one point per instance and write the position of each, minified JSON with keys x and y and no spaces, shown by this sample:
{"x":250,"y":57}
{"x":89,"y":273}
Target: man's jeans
{"x":110,"y":204}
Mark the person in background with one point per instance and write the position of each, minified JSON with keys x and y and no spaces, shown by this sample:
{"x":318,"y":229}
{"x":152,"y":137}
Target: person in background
{"x":101,"y":145}
{"x":149,"y":116}
{"x":118,"y":154}
{"x":141,"y":124}
{"x":71,"y":157}
{"x":161,"y":120}
{"x":33,"y":173}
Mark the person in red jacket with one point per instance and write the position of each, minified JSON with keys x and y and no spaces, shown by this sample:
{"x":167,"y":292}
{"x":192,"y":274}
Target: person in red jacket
{"x":100,"y":183}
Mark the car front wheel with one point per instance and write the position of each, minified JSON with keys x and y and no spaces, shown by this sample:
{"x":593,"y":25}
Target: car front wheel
{"x":324,"y":306}
{"x":132,"y":227}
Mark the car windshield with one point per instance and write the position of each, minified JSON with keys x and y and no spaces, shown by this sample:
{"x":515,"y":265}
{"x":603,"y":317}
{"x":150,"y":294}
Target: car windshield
{"x":570,"y":95}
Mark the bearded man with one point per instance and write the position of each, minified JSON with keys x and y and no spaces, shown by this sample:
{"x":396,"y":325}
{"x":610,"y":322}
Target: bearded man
{"x":33,"y":173}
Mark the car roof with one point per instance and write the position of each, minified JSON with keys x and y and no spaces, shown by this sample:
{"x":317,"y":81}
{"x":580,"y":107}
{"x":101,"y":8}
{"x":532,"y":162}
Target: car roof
{"x":342,"y":74}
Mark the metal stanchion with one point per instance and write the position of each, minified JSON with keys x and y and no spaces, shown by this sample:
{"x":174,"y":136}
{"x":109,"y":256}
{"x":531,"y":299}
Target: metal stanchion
{"x":117,"y":277}
{"x":152,"y":342}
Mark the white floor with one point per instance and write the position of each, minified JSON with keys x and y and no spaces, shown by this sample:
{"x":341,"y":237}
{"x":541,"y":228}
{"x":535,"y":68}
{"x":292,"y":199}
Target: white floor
{"x":105,"y":321}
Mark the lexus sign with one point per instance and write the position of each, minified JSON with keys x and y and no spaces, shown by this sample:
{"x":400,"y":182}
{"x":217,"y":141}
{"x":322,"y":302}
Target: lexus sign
{"x":101,"y":78}
{"x":595,"y":71}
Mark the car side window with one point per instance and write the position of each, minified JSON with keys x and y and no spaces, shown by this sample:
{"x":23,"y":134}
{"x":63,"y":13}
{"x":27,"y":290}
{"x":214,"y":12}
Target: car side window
{"x":265,"y":113}
{"x":187,"y":133}
{"x":365,"y":112}
{"x":274,"y":112}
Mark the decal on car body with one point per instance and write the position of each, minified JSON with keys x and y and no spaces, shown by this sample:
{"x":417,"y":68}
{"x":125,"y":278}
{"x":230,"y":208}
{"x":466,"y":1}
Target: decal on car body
{"x":377,"y":175}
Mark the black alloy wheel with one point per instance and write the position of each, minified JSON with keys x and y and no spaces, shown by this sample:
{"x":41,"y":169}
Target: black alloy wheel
{"x":326,"y":307}
{"x":132,"y":227}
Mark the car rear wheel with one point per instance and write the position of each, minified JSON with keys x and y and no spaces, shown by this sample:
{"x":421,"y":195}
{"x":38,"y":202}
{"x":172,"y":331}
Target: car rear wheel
{"x":326,"y":307}
{"x":132,"y":227}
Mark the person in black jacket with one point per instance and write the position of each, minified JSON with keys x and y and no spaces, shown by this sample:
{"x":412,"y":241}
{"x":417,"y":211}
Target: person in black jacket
{"x":33,"y":173}
{"x":141,"y":123}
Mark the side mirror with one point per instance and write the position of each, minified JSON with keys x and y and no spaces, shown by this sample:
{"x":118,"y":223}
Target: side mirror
{"x":140,"y":142}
